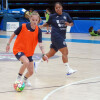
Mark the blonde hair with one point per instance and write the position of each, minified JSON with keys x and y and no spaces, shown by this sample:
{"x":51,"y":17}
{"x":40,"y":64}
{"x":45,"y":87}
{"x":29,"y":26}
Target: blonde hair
{"x":36,"y":13}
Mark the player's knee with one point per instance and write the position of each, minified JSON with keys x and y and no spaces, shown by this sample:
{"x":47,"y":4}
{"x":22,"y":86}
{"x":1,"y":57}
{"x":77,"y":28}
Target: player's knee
{"x":65,"y":54}
{"x":50,"y":55}
{"x":26,"y":63}
{"x":31,"y":72}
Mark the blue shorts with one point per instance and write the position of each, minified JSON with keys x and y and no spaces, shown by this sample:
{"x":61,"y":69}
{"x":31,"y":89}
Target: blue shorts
{"x":58,"y":44}
{"x":19,"y":54}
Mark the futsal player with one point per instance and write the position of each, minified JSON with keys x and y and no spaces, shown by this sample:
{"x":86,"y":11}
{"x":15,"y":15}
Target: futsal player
{"x":58,"y":21}
{"x":28,"y":35}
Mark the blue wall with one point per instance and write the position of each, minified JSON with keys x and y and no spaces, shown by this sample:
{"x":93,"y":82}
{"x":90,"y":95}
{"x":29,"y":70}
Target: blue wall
{"x":11,"y":18}
{"x":82,"y":26}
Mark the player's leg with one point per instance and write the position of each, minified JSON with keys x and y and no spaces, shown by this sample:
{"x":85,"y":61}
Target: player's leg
{"x":49,"y":54}
{"x":29,"y":71}
{"x":47,"y":30}
{"x":98,"y":31}
{"x":28,"y":74}
{"x":64,"y":52}
{"x":24,"y":60}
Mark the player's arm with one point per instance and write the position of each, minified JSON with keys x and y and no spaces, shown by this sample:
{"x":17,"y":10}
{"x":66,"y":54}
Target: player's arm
{"x":8,"y":44}
{"x":69,"y":21}
{"x":41,"y":45}
{"x":16,"y":32}
{"x":43,"y":51}
{"x":69,"y":24}
{"x":44,"y":25}
{"x":45,"y":14}
{"x":41,"y":48}
{"x":47,"y":23}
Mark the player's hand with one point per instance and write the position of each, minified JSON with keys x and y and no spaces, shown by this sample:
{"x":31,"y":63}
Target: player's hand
{"x":40,"y":26}
{"x":45,"y":57}
{"x":7,"y":47}
{"x":67,"y":24}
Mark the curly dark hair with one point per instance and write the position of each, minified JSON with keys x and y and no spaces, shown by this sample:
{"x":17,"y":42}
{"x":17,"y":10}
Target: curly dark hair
{"x":90,"y":29}
{"x":58,"y":3}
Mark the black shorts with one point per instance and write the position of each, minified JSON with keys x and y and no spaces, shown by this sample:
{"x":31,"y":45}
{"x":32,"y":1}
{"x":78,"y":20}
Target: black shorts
{"x":19,"y":54}
{"x":58,"y":44}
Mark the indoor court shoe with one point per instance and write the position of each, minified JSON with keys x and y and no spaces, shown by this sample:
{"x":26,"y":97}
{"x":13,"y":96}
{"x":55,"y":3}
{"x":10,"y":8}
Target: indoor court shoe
{"x":71,"y":71}
{"x":27,"y":83}
{"x":36,"y":64}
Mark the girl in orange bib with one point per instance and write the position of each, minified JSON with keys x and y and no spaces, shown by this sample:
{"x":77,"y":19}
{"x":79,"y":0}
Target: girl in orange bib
{"x":28,"y":35}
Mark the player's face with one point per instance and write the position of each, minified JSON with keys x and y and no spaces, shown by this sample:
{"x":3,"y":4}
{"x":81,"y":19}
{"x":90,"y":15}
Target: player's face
{"x":58,"y":9}
{"x":30,"y":10}
{"x":34,"y":20}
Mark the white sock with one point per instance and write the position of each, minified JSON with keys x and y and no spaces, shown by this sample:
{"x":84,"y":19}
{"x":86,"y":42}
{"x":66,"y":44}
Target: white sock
{"x":19,"y":76}
{"x":67,"y":66}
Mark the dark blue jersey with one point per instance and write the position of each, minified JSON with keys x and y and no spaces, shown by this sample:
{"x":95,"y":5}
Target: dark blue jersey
{"x":57,"y":23}
{"x":17,"y":31}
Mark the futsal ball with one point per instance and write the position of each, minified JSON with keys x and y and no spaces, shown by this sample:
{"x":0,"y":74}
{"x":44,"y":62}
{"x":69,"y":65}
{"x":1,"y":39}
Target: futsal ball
{"x":19,"y":85}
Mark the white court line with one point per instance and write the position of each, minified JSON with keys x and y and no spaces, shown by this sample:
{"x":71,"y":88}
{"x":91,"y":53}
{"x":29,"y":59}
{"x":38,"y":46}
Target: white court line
{"x":49,"y":94}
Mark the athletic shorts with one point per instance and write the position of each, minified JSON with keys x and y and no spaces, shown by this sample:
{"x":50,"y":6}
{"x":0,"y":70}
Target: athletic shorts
{"x":19,"y":54}
{"x":58,"y":44}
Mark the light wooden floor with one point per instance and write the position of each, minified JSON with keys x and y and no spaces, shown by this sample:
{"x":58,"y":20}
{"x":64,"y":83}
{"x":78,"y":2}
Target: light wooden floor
{"x":51,"y":82}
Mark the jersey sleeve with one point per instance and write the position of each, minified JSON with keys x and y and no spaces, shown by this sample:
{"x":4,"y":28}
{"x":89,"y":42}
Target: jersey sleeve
{"x":69,"y":19}
{"x":40,"y":35}
{"x":49,"y":20}
{"x":17,"y":31}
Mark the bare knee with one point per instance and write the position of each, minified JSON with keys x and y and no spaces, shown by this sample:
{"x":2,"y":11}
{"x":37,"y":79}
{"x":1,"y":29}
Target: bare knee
{"x":51,"y":53}
{"x":65,"y":53}
{"x":26,"y":63}
{"x":31,"y":72}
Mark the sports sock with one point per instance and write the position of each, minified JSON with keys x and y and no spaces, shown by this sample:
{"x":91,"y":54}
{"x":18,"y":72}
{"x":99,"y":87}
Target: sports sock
{"x":67,"y":66}
{"x":19,"y":76}
{"x":25,"y":78}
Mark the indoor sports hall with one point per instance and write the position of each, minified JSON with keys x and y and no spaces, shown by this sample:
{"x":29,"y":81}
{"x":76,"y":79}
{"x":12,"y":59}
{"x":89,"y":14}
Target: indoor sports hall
{"x":50,"y":82}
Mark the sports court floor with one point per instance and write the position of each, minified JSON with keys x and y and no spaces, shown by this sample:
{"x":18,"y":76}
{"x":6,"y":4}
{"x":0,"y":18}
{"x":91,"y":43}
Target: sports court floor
{"x":50,"y":82}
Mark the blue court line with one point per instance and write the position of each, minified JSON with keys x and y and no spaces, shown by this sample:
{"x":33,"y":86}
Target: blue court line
{"x":83,"y":41}
{"x":77,"y":40}
{"x":4,"y":36}
{"x":67,"y":40}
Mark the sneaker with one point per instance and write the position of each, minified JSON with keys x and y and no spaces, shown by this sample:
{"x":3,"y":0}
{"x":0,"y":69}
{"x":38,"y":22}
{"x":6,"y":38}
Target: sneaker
{"x":27,"y":83}
{"x":71,"y":71}
{"x":36,"y":64}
